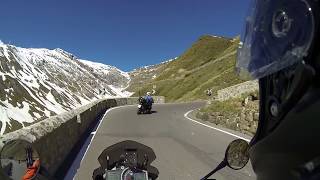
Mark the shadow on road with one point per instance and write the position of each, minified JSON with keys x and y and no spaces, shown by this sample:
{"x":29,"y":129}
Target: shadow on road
{"x":152,"y":112}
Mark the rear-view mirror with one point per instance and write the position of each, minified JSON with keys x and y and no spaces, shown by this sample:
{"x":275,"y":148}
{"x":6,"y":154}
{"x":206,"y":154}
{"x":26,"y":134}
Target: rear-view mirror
{"x":237,"y":154}
{"x":19,"y":159}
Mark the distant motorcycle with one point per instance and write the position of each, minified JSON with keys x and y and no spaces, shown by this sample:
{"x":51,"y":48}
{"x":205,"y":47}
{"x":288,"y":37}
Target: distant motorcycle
{"x":143,"y":106}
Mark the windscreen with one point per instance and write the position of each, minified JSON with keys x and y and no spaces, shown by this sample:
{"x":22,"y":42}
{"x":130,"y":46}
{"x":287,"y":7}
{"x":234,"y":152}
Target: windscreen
{"x":115,"y":151}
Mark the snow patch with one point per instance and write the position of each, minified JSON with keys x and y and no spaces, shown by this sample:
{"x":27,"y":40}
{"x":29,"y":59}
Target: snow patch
{"x":106,"y":69}
{"x":151,"y":67}
{"x":154,"y":76}
{"x":120,"y":92}
{"x":10,"y":112}
{"x":216,"y":36}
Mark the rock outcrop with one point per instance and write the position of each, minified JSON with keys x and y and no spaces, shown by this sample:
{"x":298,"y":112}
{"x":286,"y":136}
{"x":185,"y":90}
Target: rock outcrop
{"x":239,"y":114}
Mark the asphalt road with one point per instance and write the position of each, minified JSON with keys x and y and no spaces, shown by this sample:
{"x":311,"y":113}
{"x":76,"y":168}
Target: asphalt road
{"x":185,"y":150}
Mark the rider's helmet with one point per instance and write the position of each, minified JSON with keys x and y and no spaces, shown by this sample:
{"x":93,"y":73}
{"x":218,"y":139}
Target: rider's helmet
{"x":280,"y":47}
{"x":148,"y":93}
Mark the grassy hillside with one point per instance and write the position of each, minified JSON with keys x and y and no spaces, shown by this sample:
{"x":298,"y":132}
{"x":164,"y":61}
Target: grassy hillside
{"x":208,"y":63}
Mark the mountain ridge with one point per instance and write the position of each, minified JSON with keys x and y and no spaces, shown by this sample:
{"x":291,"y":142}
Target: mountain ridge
{"x":36,"y":83}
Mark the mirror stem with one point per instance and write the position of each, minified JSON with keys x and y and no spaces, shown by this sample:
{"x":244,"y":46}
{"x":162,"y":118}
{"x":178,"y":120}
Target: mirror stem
{"x":220,"y":166}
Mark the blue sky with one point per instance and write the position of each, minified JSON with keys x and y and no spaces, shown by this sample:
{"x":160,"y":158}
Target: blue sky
{"x":123,"y":33}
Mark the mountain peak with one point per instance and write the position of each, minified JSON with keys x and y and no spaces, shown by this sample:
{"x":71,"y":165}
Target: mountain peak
{"x":70,"y":55}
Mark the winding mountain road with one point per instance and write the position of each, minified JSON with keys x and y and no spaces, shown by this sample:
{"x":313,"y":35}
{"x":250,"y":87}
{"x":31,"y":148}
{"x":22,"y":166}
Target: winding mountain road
{"x":185,"y":149}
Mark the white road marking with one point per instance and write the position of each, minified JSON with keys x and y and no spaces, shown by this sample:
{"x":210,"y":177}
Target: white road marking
{"x":220,"y":130}
{"x":94,"y":133}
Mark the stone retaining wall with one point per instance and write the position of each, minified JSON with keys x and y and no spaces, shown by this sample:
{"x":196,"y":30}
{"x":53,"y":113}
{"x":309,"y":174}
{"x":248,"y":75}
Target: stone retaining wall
{"x":237,"y":90}
{"x":55,"y":137}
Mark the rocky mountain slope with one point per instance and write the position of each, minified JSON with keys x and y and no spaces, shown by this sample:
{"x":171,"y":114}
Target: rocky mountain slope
{"x":208,"y":64}
{"x":38,"y":83}
{"x":145,"y":76}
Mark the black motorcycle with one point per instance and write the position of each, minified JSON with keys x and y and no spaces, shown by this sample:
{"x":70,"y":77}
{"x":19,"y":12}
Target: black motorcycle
{"x":126,"y":160}
{"x":131,"y":160}
{"x":143,"y":106}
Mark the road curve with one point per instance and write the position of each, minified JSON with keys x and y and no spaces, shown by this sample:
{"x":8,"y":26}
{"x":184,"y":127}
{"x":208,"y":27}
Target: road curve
{"x":185,"y":150}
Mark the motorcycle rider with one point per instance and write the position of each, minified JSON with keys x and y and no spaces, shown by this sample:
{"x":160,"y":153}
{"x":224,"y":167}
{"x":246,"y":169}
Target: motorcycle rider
{"x":280,"y":47}
{"x":149,"y":100}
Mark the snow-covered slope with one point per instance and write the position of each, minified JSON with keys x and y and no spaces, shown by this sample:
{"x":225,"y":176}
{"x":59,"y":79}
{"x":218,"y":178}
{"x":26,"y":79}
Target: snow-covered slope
{"x":38,"y":83}
{"x":110,"y":73}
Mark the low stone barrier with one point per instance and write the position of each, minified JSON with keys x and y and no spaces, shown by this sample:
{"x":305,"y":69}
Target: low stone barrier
{"x":57,"y":137}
